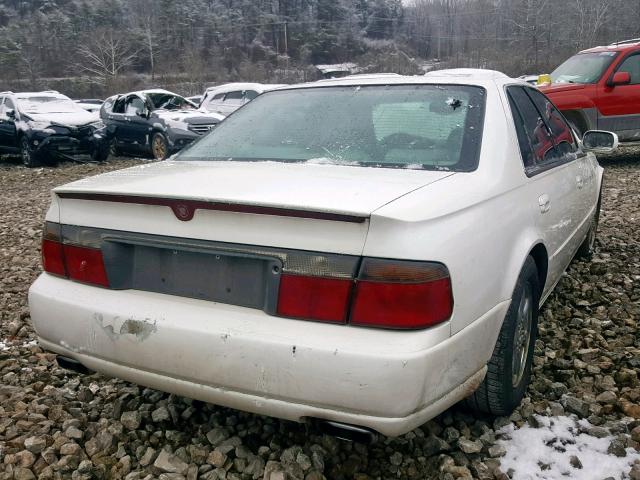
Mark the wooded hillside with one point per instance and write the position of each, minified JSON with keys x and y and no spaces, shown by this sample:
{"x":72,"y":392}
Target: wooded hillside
{"x":98,"y":46}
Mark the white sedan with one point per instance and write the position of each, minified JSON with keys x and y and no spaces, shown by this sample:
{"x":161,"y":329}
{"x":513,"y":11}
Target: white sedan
{"x":363,"y":252}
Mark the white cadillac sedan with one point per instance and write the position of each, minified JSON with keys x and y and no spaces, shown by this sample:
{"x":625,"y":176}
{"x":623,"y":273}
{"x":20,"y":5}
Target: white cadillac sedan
{"x":362,"y":252}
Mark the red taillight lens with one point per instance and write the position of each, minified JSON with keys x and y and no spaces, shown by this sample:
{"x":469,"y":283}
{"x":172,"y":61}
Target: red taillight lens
{"x":53,"y":258}
{"x":85,"y":265}
{"x":82,"y":264}
{"x":314,"y":298}
{"x":387,"y":294}
{"x":403,"y":295}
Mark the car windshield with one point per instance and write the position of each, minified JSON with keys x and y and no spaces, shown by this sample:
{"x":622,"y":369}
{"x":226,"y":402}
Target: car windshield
{"x":169,"y":101}
{"x":47,"y":104}
{"x":583,"y":68}
{"x":401,"y":126}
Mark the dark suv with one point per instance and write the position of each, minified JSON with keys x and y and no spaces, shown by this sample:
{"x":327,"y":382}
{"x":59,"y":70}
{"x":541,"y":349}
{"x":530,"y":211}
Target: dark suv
{"x":155,"y":122}
{"x":44,"y":127}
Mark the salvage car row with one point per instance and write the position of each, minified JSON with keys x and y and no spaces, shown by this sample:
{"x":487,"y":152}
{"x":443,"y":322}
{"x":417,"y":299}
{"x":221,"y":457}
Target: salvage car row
{"x":45,"y":127}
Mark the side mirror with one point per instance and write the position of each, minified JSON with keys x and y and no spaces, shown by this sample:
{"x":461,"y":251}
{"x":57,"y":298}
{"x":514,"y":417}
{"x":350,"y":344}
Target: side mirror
{"x":11,"y":114}
{"x":620,"y":78}
{"x":599,"y":141}
{"x":143,"y":114}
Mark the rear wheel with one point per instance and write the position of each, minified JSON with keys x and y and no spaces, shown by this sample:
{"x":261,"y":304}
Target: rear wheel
{"x":509,"y":369}
{"x":114,"y":150}
{"x":30,"y":158}
{"x":101,"y":154}
{"x":588,"y":247}
{"x":159,"y":146}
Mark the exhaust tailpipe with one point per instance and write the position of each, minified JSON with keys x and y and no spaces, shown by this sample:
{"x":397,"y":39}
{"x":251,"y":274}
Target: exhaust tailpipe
{"x":73,"y":365}
{"x":345,"y":431}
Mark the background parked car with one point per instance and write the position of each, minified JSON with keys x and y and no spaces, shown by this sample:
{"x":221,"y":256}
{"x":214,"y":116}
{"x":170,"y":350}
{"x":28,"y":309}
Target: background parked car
{"x":599,"y":88}
{"x":46,"y":126}
{"x":90,"y":104}
{"x":226,"y":99}
{"x":400,"y":239}
{"x":196,"y":99}
{"x":530,"y":79}
{"x":156,"y":122}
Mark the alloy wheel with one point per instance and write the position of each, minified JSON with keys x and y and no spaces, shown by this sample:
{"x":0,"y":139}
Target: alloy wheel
{"x":522,"y":336}
{"x":159,"y":148}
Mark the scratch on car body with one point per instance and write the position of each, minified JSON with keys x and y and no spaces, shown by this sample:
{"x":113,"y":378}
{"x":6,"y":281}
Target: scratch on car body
{"x":118,"y":327}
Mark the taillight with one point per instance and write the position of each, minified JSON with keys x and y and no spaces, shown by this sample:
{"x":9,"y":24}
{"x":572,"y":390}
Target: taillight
{"x":403,"y":295}
{"x":85,"y":265}
{"x":386,"y":294}
{"x":82,"y":264}
{"x":314,"y":298}
{"x":53,"y":258}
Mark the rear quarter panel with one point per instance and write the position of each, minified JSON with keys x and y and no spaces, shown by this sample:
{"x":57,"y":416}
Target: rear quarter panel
{"x":481,"y":224}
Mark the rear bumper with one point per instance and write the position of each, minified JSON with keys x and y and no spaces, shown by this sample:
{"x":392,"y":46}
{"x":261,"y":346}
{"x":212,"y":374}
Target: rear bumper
{"x":242,"y":358}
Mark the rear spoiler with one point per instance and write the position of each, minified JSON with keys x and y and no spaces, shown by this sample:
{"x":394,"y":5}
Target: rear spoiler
{"x":185,"y":209}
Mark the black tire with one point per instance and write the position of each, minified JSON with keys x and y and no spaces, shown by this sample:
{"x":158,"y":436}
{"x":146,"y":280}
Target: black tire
{"x":588,"y":246}
{"x":159,"y":146}
{"x":507,"y":376}
{"x":114,"y":150}
{"x":101,"y":154}
{"x":30,"y":159}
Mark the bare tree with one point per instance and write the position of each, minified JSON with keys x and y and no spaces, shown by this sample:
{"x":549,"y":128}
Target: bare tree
{"x":591,"y":17}
{"x":104,"y":57}
{"x":30,"y":64}
{"x":145,"y":15}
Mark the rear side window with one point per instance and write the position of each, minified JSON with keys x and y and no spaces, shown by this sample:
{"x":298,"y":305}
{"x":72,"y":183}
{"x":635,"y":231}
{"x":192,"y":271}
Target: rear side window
{"x":118,"y":106}
{"x":234,"y":98}
{"x":134,"y":106}
{"x":250,"y":95}
{"x":544,"y":137}
{"x":555,"y":121}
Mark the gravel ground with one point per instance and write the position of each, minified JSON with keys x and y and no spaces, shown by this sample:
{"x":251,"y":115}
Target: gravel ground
{"x":54,"y":424}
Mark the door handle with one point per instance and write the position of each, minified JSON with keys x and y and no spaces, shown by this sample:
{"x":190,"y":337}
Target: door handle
{"x":544,"y":202}
{"x":580,"y":181}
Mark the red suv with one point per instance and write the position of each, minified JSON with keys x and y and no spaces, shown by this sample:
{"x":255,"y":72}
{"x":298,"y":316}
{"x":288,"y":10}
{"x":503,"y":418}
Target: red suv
{"x":599,"y":89}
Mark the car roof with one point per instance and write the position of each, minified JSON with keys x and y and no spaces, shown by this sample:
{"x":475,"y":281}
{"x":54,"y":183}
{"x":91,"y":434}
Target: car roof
{"x":259,"y":87}
{"x":461,"y":76}
{"x":45,"y":93}
{"x":152,"y":90}
{"x":621,"y":46}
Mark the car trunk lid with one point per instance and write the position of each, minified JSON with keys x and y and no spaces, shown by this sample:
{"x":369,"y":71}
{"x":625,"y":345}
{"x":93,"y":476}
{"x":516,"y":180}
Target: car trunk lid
{"x":302,"y":206}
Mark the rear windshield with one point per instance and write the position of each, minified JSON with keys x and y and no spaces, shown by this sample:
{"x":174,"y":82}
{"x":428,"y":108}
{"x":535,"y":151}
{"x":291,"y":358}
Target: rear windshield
{"x":434,"y":127}
{"x":583,"y":68}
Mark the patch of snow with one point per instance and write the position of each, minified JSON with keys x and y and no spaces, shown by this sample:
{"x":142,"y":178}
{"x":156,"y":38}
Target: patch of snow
{"x":330,"y":161}
{"x":3,"y":346}
{"x":32,"y":343}
{"x":544,"y":453}
{"x":338,"y":67}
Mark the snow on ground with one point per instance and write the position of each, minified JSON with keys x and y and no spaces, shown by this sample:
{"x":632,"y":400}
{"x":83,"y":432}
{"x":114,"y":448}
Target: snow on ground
{"x":545,"y":453}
